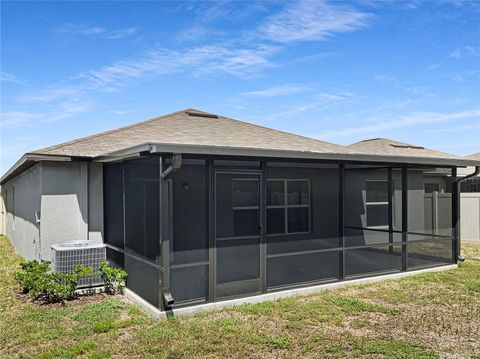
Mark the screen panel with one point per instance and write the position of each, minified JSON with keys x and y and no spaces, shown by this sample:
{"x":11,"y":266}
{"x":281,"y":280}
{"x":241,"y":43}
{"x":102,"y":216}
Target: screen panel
{"x":189,"y":283}
{"x":142,"y":207}
{"x":190,"y":240}
{"x":302,"y":268}
{"x":113,"y":204}
{"x":371,"y":260}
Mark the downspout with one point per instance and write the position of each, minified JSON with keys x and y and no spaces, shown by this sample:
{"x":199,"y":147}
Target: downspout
{"x":167,"y":297}
{"x":456,"y":183}
{"x":176,"y":164}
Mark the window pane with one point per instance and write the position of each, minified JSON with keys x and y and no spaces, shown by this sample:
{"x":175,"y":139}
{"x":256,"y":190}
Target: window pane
{"x":377,"y":191}
{"x":275,"y":220}
{"x":377,"y":215}
{"x":297,"y":192}
{"x":275,"y":193}
{"x":245,"y":222}
{"x":298,"y":219}
{"x":234,"y":220}
{"x":245,"y":192}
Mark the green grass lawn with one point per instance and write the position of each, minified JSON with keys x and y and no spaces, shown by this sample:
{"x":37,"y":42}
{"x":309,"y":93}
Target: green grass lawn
{"x":425,"y":316}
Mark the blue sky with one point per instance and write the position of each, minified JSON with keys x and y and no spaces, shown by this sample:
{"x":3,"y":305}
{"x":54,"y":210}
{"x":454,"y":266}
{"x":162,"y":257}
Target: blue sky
{"x":336,"y":71}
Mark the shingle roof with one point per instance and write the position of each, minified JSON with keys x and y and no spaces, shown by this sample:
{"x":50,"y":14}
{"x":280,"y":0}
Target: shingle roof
{"x":195,"y":132}
{"x":385,"y":146}
{"x":474,"y":156}
{"x":191,"y":127}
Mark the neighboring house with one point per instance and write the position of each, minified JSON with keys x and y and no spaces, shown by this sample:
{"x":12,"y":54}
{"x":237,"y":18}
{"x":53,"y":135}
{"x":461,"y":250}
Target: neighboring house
{"x":434,"y":180}
{"x":438,"y":180}
{"x":209,"y":208}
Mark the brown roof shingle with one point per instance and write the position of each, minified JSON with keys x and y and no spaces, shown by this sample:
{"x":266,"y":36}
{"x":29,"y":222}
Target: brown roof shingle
{"x":191,"y":127}
{"x":385,"y":146}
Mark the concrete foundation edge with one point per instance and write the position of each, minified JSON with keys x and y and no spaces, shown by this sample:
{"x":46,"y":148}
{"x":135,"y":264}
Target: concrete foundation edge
{"x":190,"y":311}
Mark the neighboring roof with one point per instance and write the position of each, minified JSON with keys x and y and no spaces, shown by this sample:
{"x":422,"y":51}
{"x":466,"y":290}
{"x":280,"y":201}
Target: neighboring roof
{"x":195,"y":132}
{"x":474,"y":156}
{"x":389,"y":147}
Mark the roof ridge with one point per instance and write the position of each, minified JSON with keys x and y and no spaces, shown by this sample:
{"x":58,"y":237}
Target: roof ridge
{"x":81,"y":139}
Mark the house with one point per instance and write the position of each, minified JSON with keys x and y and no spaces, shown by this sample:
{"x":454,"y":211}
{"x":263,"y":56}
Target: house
{"x":434,"y":181}
{"x":202,"y":208}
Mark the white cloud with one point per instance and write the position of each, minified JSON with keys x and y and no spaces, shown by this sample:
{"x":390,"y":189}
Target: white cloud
{"x":465,"y":52}
{"x":322,"y":99}
{"x":6,"y":77}
{"x":463,"y":76}
{"x":413,"y":119}
{"x":278,"y":91}
{"x":313,"y":20}
{"x":84,"y":30}
{"x":120,"y":34}
{"x":59,"y":111}
{"x":80,"y":29}
{"x":17,"y":119}
{"x":210,"y":59}
{"x":50,"y":94}
{"x":64,"y":101}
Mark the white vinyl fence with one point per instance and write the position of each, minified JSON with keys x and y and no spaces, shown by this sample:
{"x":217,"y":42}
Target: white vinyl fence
{"x":470,"y":216}
{"x":438,"y":214}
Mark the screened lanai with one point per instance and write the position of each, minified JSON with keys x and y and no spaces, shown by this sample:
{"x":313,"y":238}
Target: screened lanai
{"x":222,"y":227}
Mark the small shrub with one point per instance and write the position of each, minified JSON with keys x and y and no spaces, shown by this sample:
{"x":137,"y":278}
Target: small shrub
{"x":32,"y":272}
{"x":59,"y":287}
{"x":36,"y":279}
{"x":113,"y":278}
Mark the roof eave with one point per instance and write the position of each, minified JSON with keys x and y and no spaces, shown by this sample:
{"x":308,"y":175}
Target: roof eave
{"x":275,"y":153}
{"x":27,"y":161}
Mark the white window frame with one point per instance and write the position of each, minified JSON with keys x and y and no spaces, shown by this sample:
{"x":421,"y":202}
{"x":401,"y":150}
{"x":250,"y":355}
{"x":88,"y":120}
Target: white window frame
{"x":367,"y":204}
{"x":285,"y":206}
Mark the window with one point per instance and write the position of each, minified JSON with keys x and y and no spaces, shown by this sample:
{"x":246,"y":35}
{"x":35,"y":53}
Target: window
{"x":377,"y":204}
{"x":288,"y":206}
{"x":432,"y":187}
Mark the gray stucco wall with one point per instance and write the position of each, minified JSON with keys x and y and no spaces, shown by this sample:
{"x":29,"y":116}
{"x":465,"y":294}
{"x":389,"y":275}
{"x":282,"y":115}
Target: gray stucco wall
{"x":22,"y":197}
{"x":64,"y":204}
{"x":68,"y":196}
{"x":95,"y":202}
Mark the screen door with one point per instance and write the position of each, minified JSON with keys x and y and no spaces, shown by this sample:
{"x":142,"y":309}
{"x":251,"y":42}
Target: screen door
{"x":237,"y":233}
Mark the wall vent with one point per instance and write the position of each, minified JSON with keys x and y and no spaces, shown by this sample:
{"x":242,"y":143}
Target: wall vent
{"x":88,"y":253}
